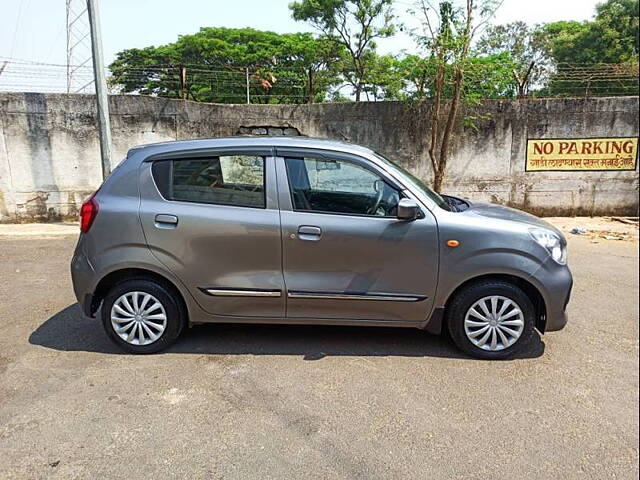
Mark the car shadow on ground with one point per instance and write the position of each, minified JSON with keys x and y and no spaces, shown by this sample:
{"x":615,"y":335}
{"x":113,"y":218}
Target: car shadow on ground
{"x":68,"y":330}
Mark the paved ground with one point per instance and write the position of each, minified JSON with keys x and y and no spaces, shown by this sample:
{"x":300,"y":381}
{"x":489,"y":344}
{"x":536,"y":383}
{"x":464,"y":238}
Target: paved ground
{"x":314,"y":402}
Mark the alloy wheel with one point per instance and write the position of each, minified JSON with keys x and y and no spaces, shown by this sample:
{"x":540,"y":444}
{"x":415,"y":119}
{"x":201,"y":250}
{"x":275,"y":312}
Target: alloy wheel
{"x":138,"y":318}
{"x":494,"y":323}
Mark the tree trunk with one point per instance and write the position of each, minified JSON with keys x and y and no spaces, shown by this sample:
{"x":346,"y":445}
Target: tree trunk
{"x":358,"y":91}
{"x":438,"y":180}
{"x":310,"y":93}
{"x":521,"y":81}
{"x":447,"y":136}
{"x":435,"y":118}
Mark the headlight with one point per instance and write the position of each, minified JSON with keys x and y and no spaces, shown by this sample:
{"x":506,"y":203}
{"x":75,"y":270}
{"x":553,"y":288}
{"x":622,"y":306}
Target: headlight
{"x":552,"y":243}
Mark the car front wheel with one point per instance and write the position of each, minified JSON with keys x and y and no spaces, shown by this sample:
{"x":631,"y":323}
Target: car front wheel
{"x":491,"y":319}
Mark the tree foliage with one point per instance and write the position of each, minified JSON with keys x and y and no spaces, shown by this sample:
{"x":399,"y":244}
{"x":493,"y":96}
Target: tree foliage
{"x":290,"y":68}
{"x":597,"y":57}
{"x":611,"y":37}
{"x":353,"y":24}
{"x":525,"y":47}
{"x":446,"y":37}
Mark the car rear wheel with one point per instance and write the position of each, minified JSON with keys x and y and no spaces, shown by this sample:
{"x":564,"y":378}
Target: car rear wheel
{"x":142,"y":316}
{"x":491,"y":319}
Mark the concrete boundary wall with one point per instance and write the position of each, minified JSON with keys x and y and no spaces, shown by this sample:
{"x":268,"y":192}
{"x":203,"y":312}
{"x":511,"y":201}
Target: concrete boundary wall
{"x":49,"y":151}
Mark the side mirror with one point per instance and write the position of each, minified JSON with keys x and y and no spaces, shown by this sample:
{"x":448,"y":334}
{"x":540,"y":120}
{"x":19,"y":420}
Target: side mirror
{"x":408,"y":209}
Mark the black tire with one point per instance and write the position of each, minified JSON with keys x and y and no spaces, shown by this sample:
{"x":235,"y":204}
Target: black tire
{"x":172,"y":304}
{"x":462,"y":302}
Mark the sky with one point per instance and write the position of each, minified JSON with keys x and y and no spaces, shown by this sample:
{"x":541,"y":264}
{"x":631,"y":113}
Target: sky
{"x":34,"y":30}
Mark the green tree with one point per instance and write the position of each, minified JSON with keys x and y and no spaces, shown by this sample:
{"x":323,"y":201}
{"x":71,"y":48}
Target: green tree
{"x":354,"y":24}
{"x":448,"y":32}
{"x":525,"y":48}
{"x":290,"y":68}
{"x":490,"y":76}
{"x":417,"y":74}
{"x":384,"y":80}
{"x":487,"y":76}
{"x":595,"y":57}
{"x":612,"y":36}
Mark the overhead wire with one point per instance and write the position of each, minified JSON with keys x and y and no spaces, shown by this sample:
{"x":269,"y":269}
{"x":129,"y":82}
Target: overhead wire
{"x":228,"y":81}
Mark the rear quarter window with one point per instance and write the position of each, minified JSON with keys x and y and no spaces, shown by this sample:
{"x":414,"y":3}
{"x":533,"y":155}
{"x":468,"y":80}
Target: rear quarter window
{"x":236,"y":180}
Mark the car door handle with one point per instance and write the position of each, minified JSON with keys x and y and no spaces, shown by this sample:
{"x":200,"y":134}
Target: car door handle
{"x":308,"y":232}
{"x":166,"y":221}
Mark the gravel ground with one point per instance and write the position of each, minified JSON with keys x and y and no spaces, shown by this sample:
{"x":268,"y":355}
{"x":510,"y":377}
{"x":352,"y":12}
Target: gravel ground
{"x":313,"y":402}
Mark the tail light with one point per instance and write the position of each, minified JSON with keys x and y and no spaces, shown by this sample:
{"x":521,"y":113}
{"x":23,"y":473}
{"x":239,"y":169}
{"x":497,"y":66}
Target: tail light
{"x":88,"y":213}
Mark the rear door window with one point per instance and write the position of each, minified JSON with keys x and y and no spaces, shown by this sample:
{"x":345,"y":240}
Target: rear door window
{"x":237,"y":180}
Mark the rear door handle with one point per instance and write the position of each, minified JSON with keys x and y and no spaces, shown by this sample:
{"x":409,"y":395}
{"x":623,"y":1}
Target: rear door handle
{"x":309,"y":232}
{"x":166,"y":221}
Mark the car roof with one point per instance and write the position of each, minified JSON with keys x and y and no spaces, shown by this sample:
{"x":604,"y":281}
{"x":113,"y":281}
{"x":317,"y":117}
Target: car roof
{"x":251,"y":141}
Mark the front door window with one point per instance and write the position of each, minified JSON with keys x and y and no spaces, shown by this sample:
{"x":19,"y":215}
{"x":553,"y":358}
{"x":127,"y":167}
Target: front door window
{"x":340,"y":187}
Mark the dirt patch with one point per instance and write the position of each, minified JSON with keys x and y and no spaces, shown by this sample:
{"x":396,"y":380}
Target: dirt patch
{"x":598,"y":228}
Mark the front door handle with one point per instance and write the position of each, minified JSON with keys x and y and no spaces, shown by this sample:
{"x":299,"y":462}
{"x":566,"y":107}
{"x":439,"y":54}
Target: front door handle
{"x":309,"y":232}
{"x":166,"y":221}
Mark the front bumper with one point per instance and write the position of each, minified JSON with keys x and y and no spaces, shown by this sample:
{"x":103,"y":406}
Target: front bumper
{"x":555,"y":283}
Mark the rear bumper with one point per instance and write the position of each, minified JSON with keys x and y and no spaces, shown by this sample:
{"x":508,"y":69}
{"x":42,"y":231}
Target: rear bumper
{"x":87,"y":305}
{"x":82,"y":276}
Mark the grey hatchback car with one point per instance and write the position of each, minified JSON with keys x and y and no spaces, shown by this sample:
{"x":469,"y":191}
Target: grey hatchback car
{"x":308,"y":231}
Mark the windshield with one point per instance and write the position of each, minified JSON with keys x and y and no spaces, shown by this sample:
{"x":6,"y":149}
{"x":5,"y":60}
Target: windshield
{"x":415,"y":182}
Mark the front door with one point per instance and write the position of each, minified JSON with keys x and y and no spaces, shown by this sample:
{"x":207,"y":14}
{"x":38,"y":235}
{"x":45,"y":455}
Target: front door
{"x":214,"y":222}
{"x":345,"y":253}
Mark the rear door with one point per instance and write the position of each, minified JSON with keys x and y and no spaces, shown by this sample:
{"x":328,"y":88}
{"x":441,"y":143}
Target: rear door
{"x":345,"y":253}
{"x":213,"y":220}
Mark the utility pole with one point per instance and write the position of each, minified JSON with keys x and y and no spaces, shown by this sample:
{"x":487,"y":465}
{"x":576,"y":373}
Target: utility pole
{"x":183,"y":81}
{"x":104,"y":127}
{"x":246,"y":72}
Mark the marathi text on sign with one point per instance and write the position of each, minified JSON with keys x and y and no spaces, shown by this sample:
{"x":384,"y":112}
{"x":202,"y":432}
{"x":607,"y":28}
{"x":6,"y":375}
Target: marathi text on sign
{"x":618,"y":153}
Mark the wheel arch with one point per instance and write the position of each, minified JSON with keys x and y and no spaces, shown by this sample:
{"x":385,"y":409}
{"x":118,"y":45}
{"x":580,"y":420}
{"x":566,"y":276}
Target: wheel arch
{"x":108,"y":281}
{"x":527,"y":287}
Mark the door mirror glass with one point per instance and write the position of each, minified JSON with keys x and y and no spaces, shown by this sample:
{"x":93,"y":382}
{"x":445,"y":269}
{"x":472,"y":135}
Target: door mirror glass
{"x":408,"y":209}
